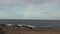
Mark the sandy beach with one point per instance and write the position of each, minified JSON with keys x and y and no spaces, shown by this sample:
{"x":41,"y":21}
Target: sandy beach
{"x":14,"y":30}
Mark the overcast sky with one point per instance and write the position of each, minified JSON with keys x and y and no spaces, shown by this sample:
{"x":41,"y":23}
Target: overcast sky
{"x":30,"y":9}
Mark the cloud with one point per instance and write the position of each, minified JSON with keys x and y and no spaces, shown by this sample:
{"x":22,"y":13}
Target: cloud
{"x":43,"y":11}
{"x":39,"y":9}
{"x":9,"y":15}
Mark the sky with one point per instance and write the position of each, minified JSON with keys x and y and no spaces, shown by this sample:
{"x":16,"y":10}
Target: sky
{"x":30,"y":9}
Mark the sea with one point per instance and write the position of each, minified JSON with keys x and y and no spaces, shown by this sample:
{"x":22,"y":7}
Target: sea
{"x":37,"y":23}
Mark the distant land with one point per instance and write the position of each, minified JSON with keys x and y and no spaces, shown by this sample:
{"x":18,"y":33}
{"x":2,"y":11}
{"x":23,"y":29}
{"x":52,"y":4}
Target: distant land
{"x":56,"y":23}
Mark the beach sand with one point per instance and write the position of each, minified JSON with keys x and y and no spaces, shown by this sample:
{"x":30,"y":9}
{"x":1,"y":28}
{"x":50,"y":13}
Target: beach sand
{"x":14,"y":30}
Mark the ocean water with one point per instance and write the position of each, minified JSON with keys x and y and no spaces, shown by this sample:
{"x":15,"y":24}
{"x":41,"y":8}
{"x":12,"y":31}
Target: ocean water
{"x":37,"y":23}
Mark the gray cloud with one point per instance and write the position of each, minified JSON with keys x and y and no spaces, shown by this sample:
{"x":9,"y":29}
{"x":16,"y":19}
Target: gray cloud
{"x":16,"y":8}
